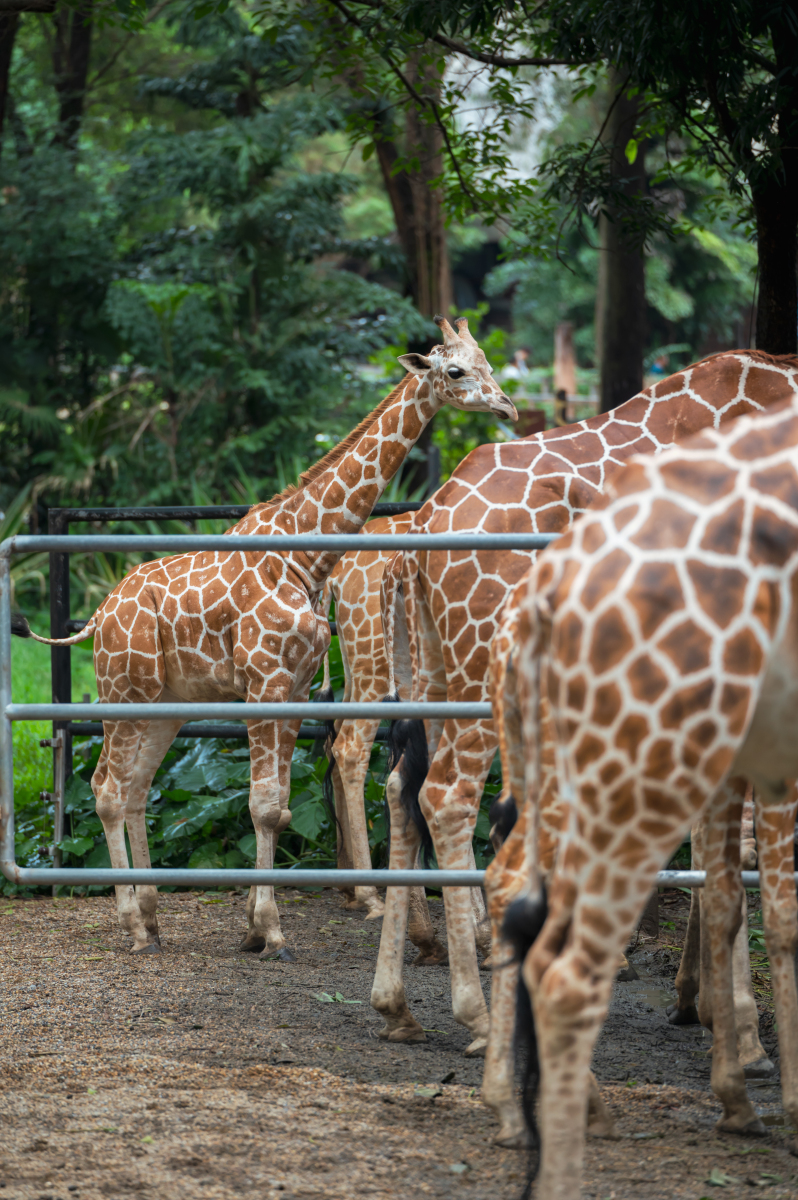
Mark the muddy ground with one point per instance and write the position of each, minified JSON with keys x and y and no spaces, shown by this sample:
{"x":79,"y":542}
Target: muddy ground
{"x":206,"y":1072}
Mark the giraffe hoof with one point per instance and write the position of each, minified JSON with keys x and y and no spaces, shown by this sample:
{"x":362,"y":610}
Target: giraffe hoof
{"x":487,"y":963}
{"x":281,"y":955}
{"x":627,"y":974}
{"x":436,"y":956}
{"x":253,"y":943}
{"x":763,"y":1068}
{"x":512,"y":1141}
{"x":753,"y":1128}
{"x":150,"y":948}
{"x":375,"y":913}
{"x":683,"y":1016}
{"x":477,"y":1048}
{"x":405,"y":1033}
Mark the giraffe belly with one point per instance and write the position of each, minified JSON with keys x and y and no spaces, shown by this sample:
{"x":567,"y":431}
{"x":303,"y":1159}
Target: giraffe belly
{"x":770,"y":749}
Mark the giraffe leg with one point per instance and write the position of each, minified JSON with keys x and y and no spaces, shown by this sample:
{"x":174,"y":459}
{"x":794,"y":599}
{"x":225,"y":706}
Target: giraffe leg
{"x":271,"y":748}
{"x":570,"y":1001}
{"x":420,"y":930}
{"x":156,"y":740}
{"x":721,"y":907}
{"x":111,"y":784}
{"x":750,"y":1051}
{"x":504,"y":879}
{"x":684,"y":1011}
{"x":776,"y":813}
{"x":463,"y":757}
{"x":388,"y":993}
{"x":352,"y":752}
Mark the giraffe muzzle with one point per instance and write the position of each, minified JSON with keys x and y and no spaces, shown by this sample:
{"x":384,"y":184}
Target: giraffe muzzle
{"x":503,"y":407}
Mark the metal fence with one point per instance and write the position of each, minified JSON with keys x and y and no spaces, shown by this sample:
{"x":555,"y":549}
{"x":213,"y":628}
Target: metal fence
{"x":63,"y":713}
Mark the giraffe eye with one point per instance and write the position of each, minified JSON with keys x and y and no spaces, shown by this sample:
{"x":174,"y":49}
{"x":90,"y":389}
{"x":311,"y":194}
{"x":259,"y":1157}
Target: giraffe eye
{"x":455,"y":373}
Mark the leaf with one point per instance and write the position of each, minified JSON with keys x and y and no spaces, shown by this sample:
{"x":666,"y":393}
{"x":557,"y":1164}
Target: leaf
{"x":77,"y":846}
{"x":428,"y":1093}
{"x":248,"y":845}
{"x":308,"y":818}
{"x":719,"y":1178}
{"x":631,"y":150}
{"x":324,"y":997}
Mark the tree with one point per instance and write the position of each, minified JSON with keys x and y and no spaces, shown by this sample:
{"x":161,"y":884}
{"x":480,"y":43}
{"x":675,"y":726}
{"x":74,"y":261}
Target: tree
{"x":727,"y":101}
{"x":621,"y":294}
{"x":173,"y":317}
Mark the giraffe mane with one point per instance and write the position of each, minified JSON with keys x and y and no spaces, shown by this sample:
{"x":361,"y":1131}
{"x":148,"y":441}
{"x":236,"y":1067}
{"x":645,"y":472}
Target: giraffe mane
{"x":337,"y":453}
{"x":775,"y":360}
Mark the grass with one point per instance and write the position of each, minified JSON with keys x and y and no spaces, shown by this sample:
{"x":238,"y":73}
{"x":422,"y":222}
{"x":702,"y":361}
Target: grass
{"x":30,"y":684}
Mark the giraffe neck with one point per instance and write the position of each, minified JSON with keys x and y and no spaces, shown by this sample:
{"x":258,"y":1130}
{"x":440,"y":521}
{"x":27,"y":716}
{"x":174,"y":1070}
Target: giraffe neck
{"x":341,"y":498}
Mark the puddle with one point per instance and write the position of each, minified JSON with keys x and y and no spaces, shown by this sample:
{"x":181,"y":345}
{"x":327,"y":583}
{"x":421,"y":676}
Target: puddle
{"x":656,"y":997}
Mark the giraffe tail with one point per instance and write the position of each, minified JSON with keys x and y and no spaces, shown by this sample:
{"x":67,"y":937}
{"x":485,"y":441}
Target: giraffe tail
{"x":407,"y":740}
{"x":324,"y":744}
{"x":527,"y":914}
{"x":21,"y":628}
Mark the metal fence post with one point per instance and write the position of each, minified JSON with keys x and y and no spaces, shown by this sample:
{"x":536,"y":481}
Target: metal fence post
{"x":60,"y":656}
{"x":7,"y":854}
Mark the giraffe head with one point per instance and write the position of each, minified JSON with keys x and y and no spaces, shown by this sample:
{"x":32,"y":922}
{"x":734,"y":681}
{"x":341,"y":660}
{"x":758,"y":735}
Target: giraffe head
{"x":459,"y":374}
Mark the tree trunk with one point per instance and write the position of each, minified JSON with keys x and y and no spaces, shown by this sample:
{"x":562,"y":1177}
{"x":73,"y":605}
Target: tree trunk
{"x":775,"y":197}
{"x":623,"y":304}
{"x":71,"y":51}
{"x":417,"y":205}
{"x":776,"y":210}
{"x":427,"y":253}
{"x":8,"y":33}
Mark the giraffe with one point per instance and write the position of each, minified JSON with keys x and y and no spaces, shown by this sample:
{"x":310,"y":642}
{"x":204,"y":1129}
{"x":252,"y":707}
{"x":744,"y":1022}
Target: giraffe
{"x":537,"y":484}
{"x":354,"y":585}
{"x":662,"y":632}
{"x":222,"y":626}
{"x":506,"y":877}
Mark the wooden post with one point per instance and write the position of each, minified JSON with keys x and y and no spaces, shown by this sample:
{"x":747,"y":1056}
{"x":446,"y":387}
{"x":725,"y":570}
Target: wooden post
{"x":564,"y":370}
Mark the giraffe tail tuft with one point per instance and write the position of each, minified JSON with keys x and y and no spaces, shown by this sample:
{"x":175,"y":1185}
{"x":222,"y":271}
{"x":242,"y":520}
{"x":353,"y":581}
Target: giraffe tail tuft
{"x":326,"y":695}
{"x":502,"y":816}
{"x":408,"y":751}
{"x":522,"y":924}
{"x":19,"y":626}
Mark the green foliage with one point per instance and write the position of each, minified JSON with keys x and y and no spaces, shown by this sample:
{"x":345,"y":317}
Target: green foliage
{"x":172,"y":309}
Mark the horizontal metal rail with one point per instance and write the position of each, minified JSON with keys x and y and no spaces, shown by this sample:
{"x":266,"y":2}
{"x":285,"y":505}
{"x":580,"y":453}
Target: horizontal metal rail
{"x":202,"y":512}
{"x":395,"y":710}
{"x":306,"y":732}
{"x":274,"y":542}
{"x":290,"y":877}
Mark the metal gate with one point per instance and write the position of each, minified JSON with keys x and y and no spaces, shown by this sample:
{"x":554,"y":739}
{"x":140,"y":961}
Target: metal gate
{"x":64,"y":713}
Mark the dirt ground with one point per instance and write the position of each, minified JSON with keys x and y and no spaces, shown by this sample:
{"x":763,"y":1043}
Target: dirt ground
{"x":206,"y":1072}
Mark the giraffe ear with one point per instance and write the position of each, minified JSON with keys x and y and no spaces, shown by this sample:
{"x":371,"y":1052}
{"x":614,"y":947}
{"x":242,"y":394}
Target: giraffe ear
{"x":417,"y":364}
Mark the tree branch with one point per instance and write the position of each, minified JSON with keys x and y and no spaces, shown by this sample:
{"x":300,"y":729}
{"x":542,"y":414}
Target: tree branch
{"x":500,"y":60}
{"x":421,"y":101}
{"x":109,"y":62}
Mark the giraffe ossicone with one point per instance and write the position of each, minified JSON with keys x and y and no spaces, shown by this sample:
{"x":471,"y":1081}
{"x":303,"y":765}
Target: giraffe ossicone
{"x":662,"y":634}
{"x":209,"y":626}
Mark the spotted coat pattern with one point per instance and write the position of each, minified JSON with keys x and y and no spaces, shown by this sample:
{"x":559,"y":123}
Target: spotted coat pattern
{"x":663,"y":632}
{"x":223,"y":626}
{"x":538,"y":484}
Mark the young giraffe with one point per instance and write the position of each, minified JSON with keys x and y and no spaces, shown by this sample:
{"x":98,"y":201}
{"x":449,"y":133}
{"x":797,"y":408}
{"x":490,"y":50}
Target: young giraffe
{"x":663,"y":632}
{"x":533,"y":485}
{"x":355,"y":586}
{"x":217,"y":626}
